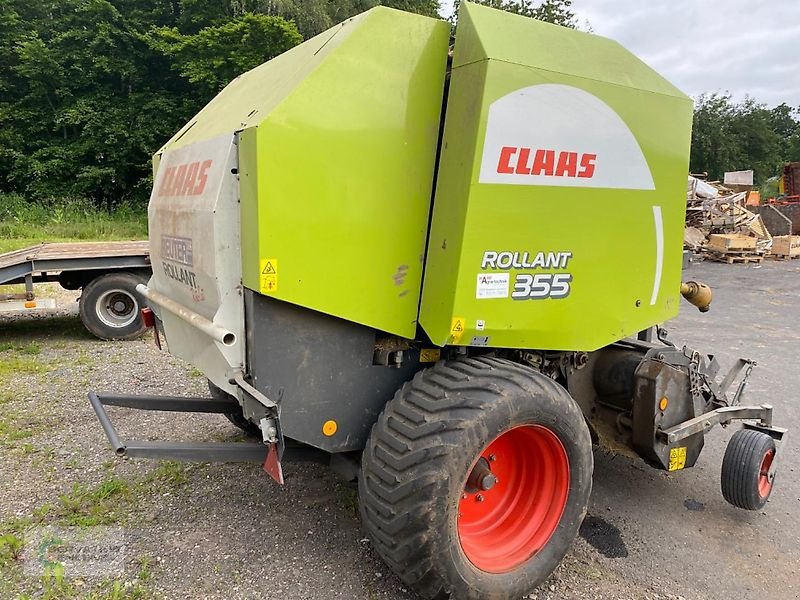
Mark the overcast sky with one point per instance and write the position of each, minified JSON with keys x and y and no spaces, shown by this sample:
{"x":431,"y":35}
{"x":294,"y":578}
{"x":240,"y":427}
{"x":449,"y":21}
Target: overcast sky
{"x":742,"y":46}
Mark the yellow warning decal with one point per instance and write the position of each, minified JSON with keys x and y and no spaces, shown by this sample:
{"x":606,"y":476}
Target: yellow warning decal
{"x":457,"y":328}
{"x":429,"y":355}
{"x":677,"y":458}
{"x":269,"y":275}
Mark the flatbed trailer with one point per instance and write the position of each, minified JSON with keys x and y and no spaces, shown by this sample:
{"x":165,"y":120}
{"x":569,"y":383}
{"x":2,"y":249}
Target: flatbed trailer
{"x":106,"y":272}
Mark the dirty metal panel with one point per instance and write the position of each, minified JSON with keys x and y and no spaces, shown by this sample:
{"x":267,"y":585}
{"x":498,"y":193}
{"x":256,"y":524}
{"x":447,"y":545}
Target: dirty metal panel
{"x":195,"y":250}
{"x":319,"y":368}
{"x":786,"y":222}
{"x":654,"y":381}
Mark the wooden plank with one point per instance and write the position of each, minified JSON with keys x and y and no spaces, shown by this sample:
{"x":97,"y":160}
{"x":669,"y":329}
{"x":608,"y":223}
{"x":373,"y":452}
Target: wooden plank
{"x":725,"y":242}
{"x":736,"y":258}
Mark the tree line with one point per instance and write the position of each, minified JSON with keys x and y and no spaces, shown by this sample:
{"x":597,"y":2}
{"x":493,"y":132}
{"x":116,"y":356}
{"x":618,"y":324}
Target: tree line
{"x":731,"y":136}
{"x":89,"y":89}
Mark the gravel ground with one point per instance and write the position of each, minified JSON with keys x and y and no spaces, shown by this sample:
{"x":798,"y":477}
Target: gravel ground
{"x":228,"y":532}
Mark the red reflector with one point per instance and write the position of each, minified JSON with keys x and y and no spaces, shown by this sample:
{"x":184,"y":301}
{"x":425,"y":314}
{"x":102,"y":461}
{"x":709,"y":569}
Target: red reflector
{"x":149,"y":317}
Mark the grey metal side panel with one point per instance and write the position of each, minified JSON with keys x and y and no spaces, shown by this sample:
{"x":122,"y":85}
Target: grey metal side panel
{"x":196,"y":253}
{"x":319,"y":368}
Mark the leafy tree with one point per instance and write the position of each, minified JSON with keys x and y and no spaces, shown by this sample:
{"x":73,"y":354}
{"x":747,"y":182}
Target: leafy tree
{"x":89,"y":88}
{"x":315,"y":16}
{"x":558,"y":12}
{"x":727,"y":136}
{"x":215,"y":55}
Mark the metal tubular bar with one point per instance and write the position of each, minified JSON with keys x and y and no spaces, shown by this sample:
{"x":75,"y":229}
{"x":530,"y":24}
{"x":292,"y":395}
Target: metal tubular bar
{"x":735,"y":370}
{"x":186,"y":451}
{"x":29,"y":287}
{"x":171,"y":403}
{"x":106,"y":423}
{"x":211,"y":329}
{"x":198,"y":451}
{"x":720,"y":416}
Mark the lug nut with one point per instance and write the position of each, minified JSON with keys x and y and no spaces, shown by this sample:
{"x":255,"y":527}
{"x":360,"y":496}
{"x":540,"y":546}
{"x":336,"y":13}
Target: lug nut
{"x":479,"y":498}
{"x":488,"y":482}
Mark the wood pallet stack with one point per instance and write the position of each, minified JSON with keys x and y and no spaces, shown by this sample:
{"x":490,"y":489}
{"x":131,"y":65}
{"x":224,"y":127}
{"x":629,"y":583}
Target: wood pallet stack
{"x":786,"y":246}
{"x":719,"y":226}
{"x":733,"y":248}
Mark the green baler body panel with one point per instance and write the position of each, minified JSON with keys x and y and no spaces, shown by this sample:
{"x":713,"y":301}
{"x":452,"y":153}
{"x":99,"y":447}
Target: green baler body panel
{"x":558,"y":211}
{"x":559,"y":206}
{"x":336,"y":180}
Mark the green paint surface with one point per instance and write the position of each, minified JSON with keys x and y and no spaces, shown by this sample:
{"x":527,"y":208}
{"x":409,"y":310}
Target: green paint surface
{"x":336,"y":180}
{"x":610,"y":231}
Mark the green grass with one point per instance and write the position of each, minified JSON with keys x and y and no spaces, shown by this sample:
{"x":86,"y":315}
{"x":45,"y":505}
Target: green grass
{"x":31,"y":348}
{"x":24,"y":223}
{"x":87,"y":507}
{"x":11,"y":364}
{"x":10,"y":549}
{"x":170,"y":472}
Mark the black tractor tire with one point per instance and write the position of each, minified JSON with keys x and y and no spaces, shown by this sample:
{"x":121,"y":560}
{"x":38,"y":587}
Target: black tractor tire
{"x":747,"y":460}
{"x":417,"y":489}
{"x":237,"y":418}
{"x":111,"y":308}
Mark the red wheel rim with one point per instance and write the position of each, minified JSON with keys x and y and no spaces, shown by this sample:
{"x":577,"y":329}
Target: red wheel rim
{"x":504,"y":526}
{"x":764,"y":484}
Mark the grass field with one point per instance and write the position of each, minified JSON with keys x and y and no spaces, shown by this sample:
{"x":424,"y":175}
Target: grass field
{"x":24,"y":223}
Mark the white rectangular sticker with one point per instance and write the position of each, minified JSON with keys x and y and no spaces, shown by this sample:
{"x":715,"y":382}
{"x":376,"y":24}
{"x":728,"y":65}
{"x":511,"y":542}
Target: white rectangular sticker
{"x":492,"y":285}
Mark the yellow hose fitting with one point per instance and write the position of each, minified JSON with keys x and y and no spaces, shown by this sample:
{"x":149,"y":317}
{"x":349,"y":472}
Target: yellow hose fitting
{"x":697,"y":293}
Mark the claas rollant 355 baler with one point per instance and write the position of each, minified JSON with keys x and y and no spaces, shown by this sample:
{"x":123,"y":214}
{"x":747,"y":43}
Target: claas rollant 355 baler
{"x":445,"y":272}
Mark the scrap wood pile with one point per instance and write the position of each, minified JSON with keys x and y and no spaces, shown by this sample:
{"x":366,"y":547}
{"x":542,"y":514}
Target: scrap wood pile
{"x":719,"y":226}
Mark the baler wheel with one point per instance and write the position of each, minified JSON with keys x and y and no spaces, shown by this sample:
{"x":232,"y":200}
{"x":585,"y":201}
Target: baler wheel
{"x":475,"y":479}
{"x":745,"y":469}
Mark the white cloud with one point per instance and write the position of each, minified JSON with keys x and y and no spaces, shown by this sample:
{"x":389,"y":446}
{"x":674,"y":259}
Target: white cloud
{"x":744,"y":47}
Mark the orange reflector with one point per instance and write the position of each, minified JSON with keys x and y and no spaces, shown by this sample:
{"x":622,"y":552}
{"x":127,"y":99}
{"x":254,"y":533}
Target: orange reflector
{"x":30,"y":304}
{"x":662,"y":405}
{"x":329,"y":428}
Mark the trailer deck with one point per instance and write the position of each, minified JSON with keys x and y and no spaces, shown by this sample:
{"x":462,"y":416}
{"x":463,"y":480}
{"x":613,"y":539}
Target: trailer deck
{"x":45,"y":261}
{"x":106,"y":272}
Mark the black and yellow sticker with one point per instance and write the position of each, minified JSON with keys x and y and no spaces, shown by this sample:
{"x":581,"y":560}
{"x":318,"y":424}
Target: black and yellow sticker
{"x":677,"y":458}
{"x":457,"y":328}
{"x":429,"y":355}
{"x":269,"y":275}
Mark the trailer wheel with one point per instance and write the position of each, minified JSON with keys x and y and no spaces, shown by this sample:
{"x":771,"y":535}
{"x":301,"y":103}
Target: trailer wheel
{"x":745,"y":469}
{"x":110,"y":307}
{"x":237,"y":418}
{"x":475,"y":479}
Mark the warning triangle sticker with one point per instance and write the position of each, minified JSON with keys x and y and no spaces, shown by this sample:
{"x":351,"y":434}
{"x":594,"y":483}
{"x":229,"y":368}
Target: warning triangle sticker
{"x":268,"y":269}
{"x":458,"y":326}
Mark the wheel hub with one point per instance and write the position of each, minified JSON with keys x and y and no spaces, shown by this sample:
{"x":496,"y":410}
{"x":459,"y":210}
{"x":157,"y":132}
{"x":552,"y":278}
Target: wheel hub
{"x":117,"y":308}
{"x":764,"y":477}
{"x":120,"y":308}
{"x":513,"y":498}
{"x":481,"y":477}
